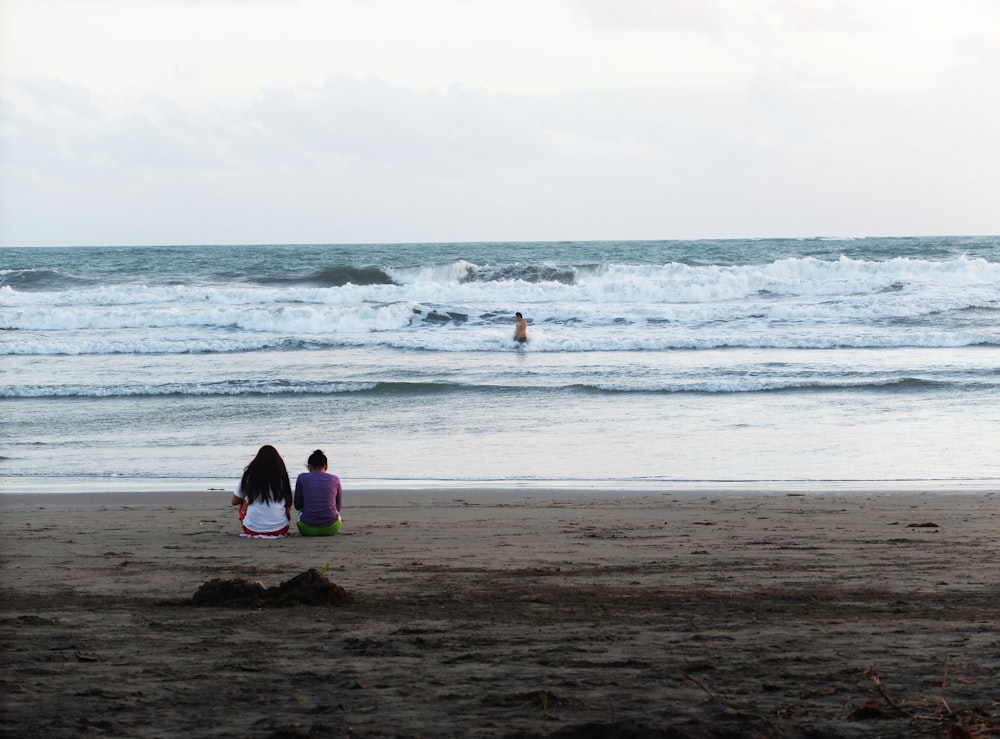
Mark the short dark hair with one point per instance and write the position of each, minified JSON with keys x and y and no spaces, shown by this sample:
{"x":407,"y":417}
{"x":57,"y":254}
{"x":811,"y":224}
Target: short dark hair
{"x":518,"y":314}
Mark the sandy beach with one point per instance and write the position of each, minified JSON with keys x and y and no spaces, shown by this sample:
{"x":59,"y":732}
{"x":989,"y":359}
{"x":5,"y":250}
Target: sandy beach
{"x":519,"y":613}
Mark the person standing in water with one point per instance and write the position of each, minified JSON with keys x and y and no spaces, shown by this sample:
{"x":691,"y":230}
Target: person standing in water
{"x":520,"y":329}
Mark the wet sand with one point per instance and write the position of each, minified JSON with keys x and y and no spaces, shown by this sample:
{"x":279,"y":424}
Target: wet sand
{"x":536,"y":613}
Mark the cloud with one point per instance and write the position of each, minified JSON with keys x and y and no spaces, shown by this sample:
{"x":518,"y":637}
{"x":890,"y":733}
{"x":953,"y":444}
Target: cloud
{"x":56,"y":97}
{"x":373,"y":126}
{"x":676,"y":15}
{"x":550,"y":119}
{"x":363,"y":160}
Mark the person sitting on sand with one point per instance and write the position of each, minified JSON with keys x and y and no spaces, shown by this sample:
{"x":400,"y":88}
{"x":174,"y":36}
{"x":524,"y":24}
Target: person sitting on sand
{"x":318,"y":495}
{"x":264,"y":495}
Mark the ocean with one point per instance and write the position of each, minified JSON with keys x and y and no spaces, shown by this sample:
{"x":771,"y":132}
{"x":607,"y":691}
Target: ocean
{"x":735,"y":364}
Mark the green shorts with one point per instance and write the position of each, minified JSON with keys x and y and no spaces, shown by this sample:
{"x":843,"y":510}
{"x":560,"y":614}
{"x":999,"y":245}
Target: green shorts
{"x":307,"y":530}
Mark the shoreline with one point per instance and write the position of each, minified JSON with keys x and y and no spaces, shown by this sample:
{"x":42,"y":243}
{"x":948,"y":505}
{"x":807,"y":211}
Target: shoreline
{"x":512,"y":615}
{"x":143,"y":486}
{"x":219,"y":499}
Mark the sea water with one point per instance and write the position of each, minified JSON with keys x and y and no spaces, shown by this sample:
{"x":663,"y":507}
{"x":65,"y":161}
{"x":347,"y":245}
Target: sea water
{"x":663,"y":364}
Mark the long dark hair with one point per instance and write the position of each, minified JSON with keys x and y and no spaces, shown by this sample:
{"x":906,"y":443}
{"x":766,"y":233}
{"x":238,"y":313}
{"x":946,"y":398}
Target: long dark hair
{"x":266,"y":478}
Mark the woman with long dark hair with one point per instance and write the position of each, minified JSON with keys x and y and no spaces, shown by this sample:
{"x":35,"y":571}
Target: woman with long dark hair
{"x":264,"y":495}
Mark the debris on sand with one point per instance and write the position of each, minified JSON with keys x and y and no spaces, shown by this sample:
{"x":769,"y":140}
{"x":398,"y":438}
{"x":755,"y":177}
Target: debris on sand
{"x":234,"y":593}
{"x":310,"y":588}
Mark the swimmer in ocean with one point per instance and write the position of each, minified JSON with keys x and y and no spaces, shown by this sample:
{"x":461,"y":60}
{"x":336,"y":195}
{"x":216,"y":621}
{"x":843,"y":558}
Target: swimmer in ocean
{"x":520,"y":329}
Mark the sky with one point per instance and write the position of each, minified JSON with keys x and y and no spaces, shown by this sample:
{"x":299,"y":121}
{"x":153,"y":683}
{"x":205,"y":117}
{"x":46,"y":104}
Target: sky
{"x":135,"y":122}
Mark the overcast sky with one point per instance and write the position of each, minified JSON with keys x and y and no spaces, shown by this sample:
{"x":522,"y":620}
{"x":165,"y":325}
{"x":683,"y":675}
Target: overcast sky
{"x":294,"y":121}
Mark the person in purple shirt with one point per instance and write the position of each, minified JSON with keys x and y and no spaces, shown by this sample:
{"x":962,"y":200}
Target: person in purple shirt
{"x":318,"y":497}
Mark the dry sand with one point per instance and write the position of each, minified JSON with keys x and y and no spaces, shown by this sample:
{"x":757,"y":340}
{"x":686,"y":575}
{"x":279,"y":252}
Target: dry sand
{"x":509,"y":614}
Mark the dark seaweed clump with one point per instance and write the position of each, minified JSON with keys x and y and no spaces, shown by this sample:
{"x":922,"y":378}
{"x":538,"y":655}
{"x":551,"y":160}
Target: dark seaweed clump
{"x":310,"y":588}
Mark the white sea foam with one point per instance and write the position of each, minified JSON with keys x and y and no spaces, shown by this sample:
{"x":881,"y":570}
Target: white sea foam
{"x":230,"y":388}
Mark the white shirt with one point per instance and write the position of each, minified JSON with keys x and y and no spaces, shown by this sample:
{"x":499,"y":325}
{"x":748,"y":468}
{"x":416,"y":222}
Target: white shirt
{"x":261,"y":516}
